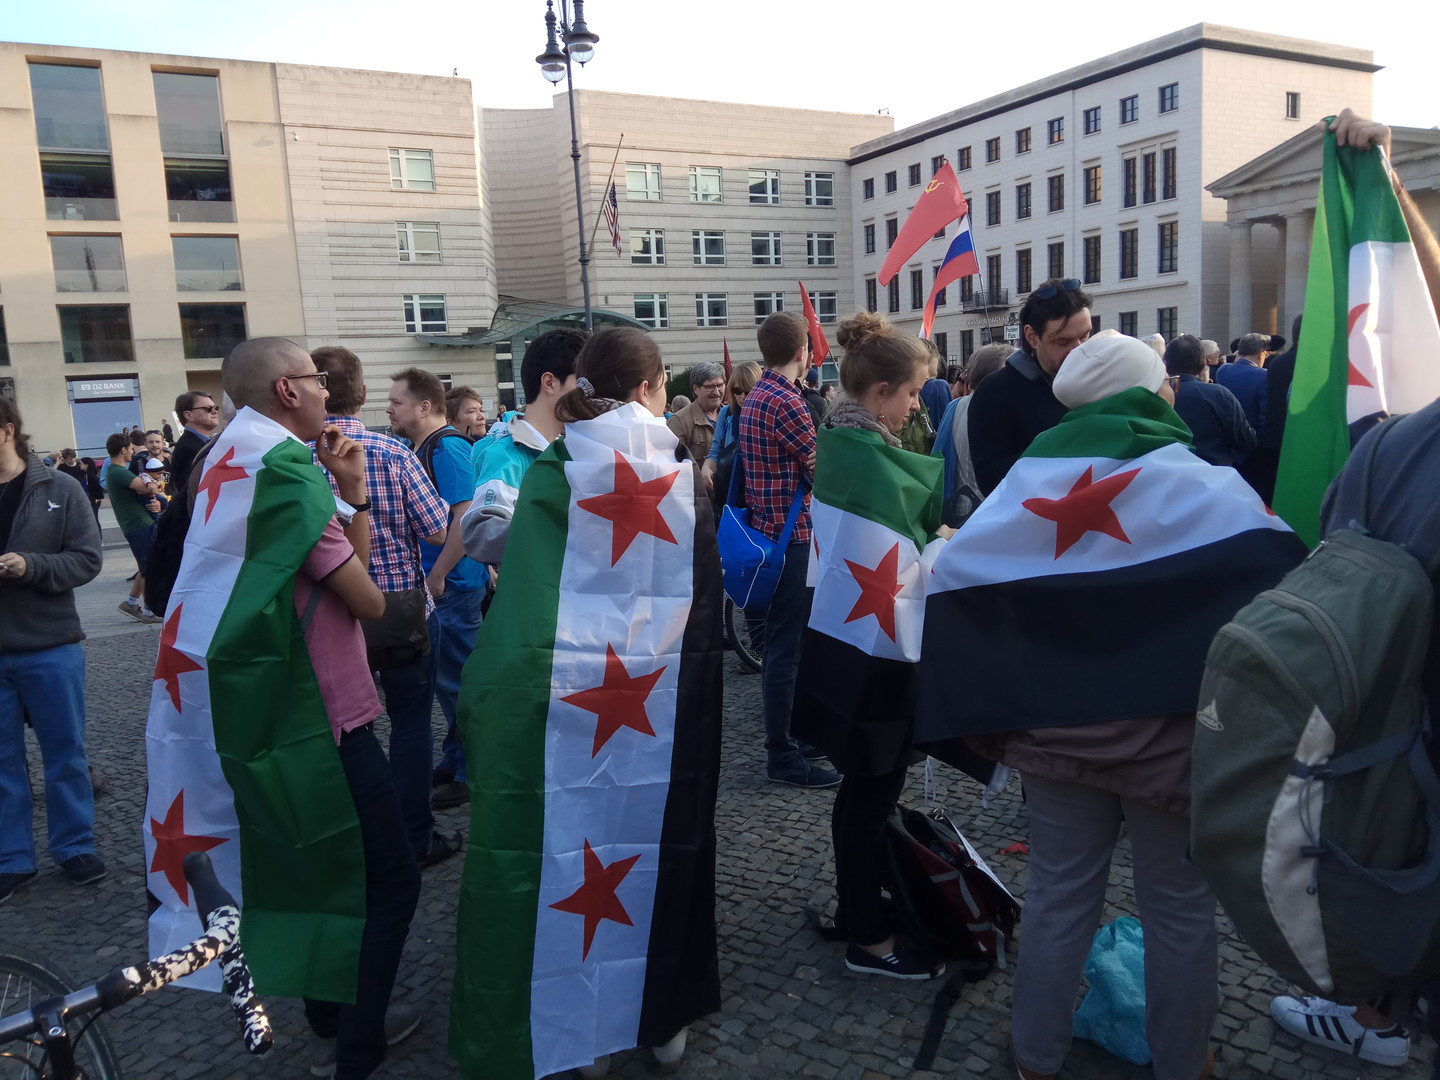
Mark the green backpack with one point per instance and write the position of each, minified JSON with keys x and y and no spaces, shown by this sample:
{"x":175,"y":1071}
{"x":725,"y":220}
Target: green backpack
{"x":1316,"y":813}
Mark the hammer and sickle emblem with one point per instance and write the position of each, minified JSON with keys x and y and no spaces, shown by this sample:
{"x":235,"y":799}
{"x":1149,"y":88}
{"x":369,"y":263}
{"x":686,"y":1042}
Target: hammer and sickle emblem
{"x":931,"y":186}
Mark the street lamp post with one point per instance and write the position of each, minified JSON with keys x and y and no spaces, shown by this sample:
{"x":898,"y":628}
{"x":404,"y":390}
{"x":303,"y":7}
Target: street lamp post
{"x":555,"y":61}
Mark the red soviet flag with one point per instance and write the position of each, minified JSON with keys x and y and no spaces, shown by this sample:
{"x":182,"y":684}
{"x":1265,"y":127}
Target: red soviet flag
{"x":939,"y":204}
{"x":819,"y":347}
{"x":726,"y":343}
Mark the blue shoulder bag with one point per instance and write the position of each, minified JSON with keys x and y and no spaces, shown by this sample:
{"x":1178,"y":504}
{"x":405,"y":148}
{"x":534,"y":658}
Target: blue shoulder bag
{"x":750,"y":562}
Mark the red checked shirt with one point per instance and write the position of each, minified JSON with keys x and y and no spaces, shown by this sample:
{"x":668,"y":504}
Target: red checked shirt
{"x":404,"y":507}
{"x":777,"y":437}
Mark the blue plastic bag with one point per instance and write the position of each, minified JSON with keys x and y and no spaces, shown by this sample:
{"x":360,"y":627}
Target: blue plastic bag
{"x":1113,"y":1012}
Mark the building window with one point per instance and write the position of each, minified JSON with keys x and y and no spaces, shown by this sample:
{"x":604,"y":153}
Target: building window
{"x":1131,"y":183}
{"x":1129,"y":253}
{"x":819,"y":189}
{"x":893,"y":299}
{"x":967,"y":290}
{"x":642,"y":182}
{"x":1167,"y":173}
{"x":1165,"y":319}
{"x":937,"y":163}
{"x":647,"y":247}
{"x":198,"y":189}
{"x":992,"y":149}
{"x":820,"y":249}
{"x":1055,"y":130}
{"x":70,"y":128}
{"x":1169,"y":97}
{"x":1090,"y":259}
{"x":967,"y":345}
{"x":708,"y":248}
{"x":871,"y":303}
{"x":1055,"y":259}
{"x":410,"y":170}
{"x":939,"y":233}
{"x":867,"y":188}
{"x":992,"y":208}
{"x":87,"y":263}
{"x":764,"y":249}
{"x":917,"y":289}
{"x":418,"y":241}
{"x":97,"y":334}
{"x":1022,"y":271}
{"x":915,"y":175}
{"x":963,"y":159}
{"x":1092,"y":120}
{"x":1292,"y":105}
{"x":766,"y":304}
{"x":868,"y":231}
{"x":1130,"y":323}
{"x":188,"y":109}
{"x":705,"y":184}
{"x":765,"y":186}
{"x":892,"y":230}
{"x":826,"y":305}
{"x":1022,"y":141}
{"x":207,"y":263}
{"x":653,"y":309}
{"x":1055,"y":189}
{"x":78,"y":187}
{"x":1168,"y":235}
{"x":1147,"y":177}
{"x":1022,"y":200}
{"x":712,"y":309}
{"x":1130,"y":110}
{"x":993,"y":268}
{"x":212,"y":330}
{"x":940,"y":298}
{"x":892,"y":182}
{"x":424,"y":314}
{"x":942,"y":345}
{"x":1092,"y":184}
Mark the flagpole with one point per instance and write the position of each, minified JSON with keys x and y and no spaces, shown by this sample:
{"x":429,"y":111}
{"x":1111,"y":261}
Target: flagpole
{"x":606,"y":190}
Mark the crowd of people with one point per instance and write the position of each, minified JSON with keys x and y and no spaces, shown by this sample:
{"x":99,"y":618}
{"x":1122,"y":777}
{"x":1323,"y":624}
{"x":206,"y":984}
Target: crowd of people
{"x":391,"y":591}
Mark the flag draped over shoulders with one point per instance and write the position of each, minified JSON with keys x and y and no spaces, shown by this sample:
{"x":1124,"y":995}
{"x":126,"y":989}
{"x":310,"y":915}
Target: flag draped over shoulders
{"x":593,"y":730}
{"x":241,"y":757}
{"x":1090,"y":583}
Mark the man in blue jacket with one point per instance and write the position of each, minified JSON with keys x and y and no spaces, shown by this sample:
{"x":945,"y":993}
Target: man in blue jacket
{"x":1221,"y":433}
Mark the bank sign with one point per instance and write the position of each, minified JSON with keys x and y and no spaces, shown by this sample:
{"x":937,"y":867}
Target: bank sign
{"x":102,"y":389}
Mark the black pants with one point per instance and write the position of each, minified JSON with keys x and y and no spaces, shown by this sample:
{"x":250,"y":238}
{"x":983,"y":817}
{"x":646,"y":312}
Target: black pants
{"x":857,"y":827}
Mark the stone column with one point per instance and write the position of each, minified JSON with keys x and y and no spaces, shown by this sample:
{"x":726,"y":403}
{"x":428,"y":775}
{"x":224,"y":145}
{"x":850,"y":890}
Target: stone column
{"x":1241,"y":300}
{"x":1298,"y":230}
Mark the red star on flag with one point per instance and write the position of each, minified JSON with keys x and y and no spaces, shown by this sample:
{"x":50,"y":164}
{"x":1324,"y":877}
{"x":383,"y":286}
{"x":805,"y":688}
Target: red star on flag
{"x":633,"y":507}
{"x":173,"y":843}
{"x":596,"y":899}
{"x":1085,"y":509}
{"x":172,"y":663}
{"x":619,"y":700}
{"x":221,"y":472}
{"x":878,"y":589}
{"x":1355,"y":378}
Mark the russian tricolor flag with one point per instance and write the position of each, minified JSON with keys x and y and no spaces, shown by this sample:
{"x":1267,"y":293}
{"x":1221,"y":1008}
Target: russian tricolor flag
{"x":960,"y":261}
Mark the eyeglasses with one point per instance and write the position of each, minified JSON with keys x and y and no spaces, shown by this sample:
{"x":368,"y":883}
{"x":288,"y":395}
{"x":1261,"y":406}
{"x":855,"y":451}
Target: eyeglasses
{"x":1045,"y":292}
{"x":711,"y":386}
{"x":211,"y":408}
{"x":320,"y":377}
{"x":1173,"y":381}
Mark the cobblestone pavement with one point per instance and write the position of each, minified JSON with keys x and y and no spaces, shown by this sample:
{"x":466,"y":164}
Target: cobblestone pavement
{"x":790,"y":1007}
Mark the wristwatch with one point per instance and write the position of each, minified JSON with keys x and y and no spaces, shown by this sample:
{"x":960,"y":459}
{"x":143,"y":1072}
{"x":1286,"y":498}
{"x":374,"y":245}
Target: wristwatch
{"x":360,"y":508}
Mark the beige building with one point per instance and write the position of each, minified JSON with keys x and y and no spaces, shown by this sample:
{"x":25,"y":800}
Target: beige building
{"x":157,"y":209}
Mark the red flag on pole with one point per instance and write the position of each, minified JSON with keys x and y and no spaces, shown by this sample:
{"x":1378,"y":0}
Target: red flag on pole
{"x":819,"y":347}
{"x":939,"y":204}
{"x":726,"y":342}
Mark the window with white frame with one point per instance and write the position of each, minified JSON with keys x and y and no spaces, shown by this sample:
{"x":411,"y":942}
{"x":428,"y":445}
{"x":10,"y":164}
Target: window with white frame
{"x":705,"y":184}
{"x":819,"y":189}
{"x":1169,"y":97}
{"x":647,"y":247}
{"x":826,"y":305}
{"x":708,"y":248}
{"x":764,"y":249}
{"x":765,"y":186}
{"x":642,"y":181}
{"x":412,"y":170}
{"x":424,"y":314}
{"x":418,"y":241}
{"x":820,"y":248}
{"x":767,"y":303}
{"x":653,"y":309}
{"x":712,"y":309}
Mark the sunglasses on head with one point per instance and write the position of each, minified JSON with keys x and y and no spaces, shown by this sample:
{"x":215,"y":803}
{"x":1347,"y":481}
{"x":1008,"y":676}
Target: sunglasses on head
{"x":1045,"y":292}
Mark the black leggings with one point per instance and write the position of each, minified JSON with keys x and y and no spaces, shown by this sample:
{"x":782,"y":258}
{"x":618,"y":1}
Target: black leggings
{"x":857,"y":828}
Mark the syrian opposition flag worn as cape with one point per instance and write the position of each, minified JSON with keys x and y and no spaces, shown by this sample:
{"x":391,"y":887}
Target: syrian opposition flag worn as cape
{"x":1089,"y":585}
{"x":1370,"y":343}
{"x":241,"y":758}
{"x":590,"y":712}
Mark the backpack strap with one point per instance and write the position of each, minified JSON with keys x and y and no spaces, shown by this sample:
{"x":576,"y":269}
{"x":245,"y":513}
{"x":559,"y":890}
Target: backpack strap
{"x":431,"y":443}
{"x":962,"y":972}
{"x":308,"y":615}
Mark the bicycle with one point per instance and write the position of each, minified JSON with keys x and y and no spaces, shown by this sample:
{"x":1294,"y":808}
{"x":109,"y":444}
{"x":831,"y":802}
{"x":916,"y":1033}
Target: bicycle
{"x":36,"y":1041}
{"x":746,"y":635}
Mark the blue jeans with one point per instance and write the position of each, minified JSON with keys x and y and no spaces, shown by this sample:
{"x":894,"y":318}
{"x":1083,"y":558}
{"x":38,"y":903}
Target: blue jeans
{"x":409,"y":695}
{"x":392,"y":888}
{"x":49,"y":684}
{"x":453,"y":626}
{"x":789,"y":612}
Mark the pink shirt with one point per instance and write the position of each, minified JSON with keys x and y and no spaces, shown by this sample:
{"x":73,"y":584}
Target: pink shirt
{"x":334,"y":638}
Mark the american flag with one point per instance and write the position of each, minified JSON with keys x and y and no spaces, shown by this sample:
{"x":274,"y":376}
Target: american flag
{"x":612,"y":217}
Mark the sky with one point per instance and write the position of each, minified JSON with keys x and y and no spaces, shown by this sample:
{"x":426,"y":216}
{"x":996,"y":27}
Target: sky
{"x":914,"y":59}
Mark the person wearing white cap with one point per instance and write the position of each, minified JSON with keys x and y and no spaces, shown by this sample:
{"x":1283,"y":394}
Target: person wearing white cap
{"x":1106,"y":364}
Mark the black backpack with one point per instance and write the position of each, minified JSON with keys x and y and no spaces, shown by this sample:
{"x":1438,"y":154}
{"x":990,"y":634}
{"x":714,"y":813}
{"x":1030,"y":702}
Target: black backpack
{"x":163,"y":565}
{"x":431,"y":443}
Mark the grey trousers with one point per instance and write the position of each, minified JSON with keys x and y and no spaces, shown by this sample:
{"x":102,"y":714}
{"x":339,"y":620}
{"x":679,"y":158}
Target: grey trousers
{"x":1073,"y":829}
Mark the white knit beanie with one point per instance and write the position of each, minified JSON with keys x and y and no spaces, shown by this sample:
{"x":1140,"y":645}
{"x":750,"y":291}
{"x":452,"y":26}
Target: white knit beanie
{"x":1107,"y":364}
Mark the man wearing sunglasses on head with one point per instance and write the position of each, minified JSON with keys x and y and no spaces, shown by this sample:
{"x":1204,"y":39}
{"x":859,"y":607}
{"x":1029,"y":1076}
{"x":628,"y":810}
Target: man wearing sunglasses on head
{"x":1016,"y":403}
{"x":200,"y":416}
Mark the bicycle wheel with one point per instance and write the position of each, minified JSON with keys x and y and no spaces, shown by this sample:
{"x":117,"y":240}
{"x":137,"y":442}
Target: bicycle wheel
{"x":746,"y":635}
{"x":25,"y":980}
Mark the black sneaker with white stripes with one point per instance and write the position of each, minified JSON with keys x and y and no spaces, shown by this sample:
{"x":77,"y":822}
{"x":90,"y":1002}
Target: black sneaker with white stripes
{"x":899,"y":963}
{"x":1328,"y":1024}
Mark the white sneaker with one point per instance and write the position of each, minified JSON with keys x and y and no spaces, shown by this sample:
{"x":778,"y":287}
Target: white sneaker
{"x":1328,"y":1024}
{"x":667,"y":1057}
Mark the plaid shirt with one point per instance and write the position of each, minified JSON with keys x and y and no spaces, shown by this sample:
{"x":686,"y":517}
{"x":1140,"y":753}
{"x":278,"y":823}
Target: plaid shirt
{"x":404,"y":507}
{"x":777,"y":436}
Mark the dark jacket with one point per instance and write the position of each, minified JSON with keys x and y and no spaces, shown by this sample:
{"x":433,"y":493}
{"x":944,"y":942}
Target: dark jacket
{"x":1279,"y":374}
{"x":55,"y":530}
{"x":184,"y":456}
{"x":1008,"y":410}
{"x":1248,"y":382}
{"x":815,"y":402}
{"x":1221,"y":433}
